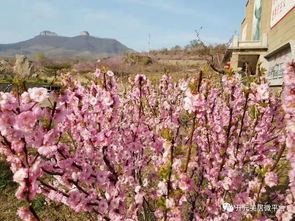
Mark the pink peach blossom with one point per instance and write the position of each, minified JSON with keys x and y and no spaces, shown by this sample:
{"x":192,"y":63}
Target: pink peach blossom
{"x":38,"y":94}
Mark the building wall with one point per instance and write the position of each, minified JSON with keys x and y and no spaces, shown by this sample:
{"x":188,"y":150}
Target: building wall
{"x":234,"y":60}
{"x":249,"y":13}
{"x":282,"y":32}
{"x":276,"y":42}
{"x":266,"y":14}
{"x":249,"y":9}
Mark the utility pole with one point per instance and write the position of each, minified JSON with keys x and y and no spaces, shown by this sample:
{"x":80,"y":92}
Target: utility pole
{"x":149,"y":44}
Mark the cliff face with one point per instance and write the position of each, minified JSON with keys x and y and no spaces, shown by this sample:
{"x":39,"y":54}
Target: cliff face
{"x":48,"y":33}
{"x":54,"y":46}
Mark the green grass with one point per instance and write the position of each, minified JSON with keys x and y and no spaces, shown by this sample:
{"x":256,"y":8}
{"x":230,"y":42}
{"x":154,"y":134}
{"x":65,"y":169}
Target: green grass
{"x":30,"y":81}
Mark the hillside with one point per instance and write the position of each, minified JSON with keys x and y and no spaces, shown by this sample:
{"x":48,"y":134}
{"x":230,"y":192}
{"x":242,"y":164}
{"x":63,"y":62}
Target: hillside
{"x":54,"y":46}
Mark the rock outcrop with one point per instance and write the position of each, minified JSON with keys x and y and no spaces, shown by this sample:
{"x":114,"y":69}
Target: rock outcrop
{"x":48,"y":33}
{"x":23,"y":68}
{"x":4,"y":65}
{"x":84,"y":33}
{"x":6,"y":70}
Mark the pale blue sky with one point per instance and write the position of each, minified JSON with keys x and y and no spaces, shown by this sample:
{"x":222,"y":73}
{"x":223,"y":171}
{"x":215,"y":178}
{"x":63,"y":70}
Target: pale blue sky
{"x":169,"y":22}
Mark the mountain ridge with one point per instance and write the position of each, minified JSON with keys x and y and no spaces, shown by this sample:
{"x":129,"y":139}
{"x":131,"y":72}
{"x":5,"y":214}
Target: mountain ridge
{"x":54,"y":46}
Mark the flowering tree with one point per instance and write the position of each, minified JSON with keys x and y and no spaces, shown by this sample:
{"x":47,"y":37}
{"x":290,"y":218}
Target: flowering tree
{"x":181,"y":151}
{"x":288,"y":97}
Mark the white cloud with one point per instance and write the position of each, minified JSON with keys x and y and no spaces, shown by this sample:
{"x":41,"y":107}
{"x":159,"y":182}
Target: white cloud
{"x":174,"y":7}
{"x":133,"y":31}
{"x":214,"y":40}
{"x":165,"y":5}
{"x":45,"y":10}
{"x":96,"y":16}
{"x":116,"y":21}
{"x":123,"y":27}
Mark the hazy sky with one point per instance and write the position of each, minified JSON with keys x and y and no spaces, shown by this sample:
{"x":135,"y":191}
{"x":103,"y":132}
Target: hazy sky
{"x":169,"y":22}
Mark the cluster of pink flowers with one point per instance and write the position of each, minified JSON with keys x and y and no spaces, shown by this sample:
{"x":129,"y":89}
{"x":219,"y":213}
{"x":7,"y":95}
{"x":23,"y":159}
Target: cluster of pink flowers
{"x":178,"y":151}
{"x":289,"y":108}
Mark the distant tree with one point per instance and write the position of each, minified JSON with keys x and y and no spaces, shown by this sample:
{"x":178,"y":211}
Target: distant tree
{"x":39,"y":57}
{"x":212,"y":53}
{"x":165,"y":51}
{"x":54,"y":69}
{"x":136,"y":58}
{"x":196,"y":44}
{"x":176,"y":48}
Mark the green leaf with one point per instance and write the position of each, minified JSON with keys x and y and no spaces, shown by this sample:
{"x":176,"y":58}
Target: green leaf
{"x":253,"y":112}
{"x":166,"y":134}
